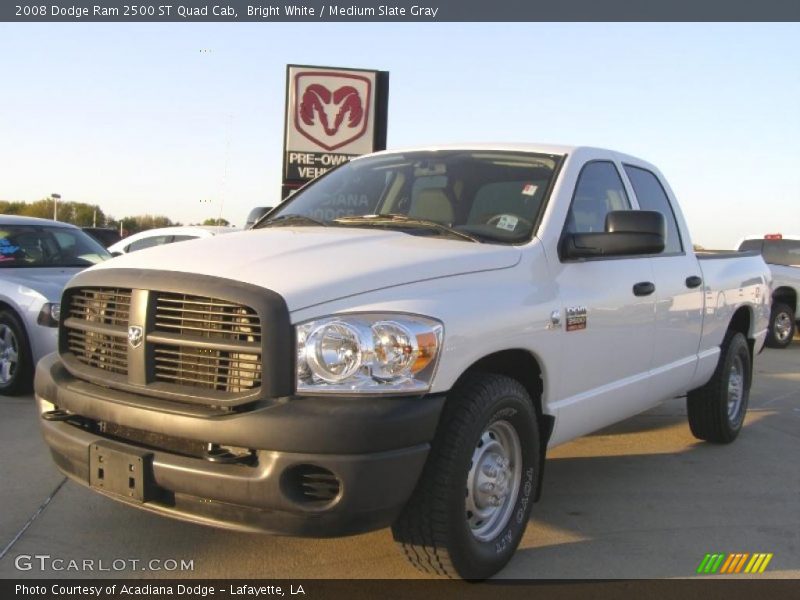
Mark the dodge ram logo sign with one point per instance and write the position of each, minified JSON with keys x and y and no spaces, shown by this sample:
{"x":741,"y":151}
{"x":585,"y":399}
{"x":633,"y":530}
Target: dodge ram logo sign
{"x":135,"y":336}
{"x":332,"y":116}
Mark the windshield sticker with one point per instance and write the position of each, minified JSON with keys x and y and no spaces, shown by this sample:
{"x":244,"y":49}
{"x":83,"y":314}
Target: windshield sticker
{"x":507,"y":222}
{"x":576,"y":318}
{"x":426,"y":168}
{"x":529,"y":189}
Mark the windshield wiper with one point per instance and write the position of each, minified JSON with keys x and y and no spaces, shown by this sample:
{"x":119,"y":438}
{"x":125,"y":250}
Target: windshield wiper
{"x":290,"y":220}
{"x":406,"y":221}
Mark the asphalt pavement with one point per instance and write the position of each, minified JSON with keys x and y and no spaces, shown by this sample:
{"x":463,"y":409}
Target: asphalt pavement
{"x":642,"y":499}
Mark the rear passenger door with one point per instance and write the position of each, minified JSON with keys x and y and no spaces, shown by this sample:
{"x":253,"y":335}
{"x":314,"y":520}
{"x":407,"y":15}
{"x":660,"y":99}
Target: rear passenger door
{"x":679,"y":290}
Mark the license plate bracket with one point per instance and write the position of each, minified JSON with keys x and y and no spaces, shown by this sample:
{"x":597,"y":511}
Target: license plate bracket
{"x":121,"y":470}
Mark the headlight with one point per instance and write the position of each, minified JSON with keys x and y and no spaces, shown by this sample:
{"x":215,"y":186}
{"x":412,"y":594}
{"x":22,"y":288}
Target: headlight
{"x":49,"y":314}
{"x":367,"y":353}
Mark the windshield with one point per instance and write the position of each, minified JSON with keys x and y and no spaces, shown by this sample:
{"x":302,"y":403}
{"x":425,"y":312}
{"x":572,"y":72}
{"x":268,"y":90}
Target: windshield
{"x":43,"y":246}
{"x":487,"y":195}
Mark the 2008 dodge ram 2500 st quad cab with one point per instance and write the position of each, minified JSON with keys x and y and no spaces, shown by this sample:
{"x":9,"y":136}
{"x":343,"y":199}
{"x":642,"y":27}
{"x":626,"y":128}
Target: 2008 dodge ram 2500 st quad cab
{"x":398,"y":344}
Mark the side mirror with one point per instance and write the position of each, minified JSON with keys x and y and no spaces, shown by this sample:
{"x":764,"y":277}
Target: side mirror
{"x":627,"y":233}
{"x":115,"y":254}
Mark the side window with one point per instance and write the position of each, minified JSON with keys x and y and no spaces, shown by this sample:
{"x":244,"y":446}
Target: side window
{"x":748,"y":245}
{"x":651,"y":196}
{"x":183,"y":238}
{"x":599,"y":191}
{"x":149,"y":242}
{"x":782,"y":252}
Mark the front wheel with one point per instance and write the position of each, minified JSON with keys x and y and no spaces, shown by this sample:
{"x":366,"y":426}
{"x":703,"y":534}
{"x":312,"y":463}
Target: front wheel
{"x":472,"y":503}
{"x":717,"y":410}
{"x":16,"y":364}
{"x":781,"y":326}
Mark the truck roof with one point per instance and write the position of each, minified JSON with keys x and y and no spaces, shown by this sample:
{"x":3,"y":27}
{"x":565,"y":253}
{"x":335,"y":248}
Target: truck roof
{"x":557,"y":149}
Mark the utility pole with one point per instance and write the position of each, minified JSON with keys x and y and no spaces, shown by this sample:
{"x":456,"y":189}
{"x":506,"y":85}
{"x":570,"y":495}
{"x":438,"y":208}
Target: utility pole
{"x":56,"y":198}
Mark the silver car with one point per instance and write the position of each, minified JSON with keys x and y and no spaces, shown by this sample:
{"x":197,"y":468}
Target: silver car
{"x":37,"y":258}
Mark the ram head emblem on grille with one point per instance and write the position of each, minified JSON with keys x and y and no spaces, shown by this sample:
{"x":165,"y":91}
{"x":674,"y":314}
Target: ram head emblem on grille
{"x":135,"y":336}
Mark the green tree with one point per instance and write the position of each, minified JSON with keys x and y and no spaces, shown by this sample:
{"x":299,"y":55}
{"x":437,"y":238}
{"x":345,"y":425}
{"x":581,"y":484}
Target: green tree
{"x":76,"y":213}
{"x":223,"y":222}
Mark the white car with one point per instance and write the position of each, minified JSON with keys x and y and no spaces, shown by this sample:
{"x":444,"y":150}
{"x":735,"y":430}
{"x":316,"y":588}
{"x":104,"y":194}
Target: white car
{"x":398,"y":344}
{"x":782,"y":254}
{"x":166,"y":235}
{"x":37,"y":257}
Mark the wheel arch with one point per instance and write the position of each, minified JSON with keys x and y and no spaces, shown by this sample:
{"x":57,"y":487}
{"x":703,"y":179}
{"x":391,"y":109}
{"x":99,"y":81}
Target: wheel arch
{"x":742,"y":322}
{"x":523,"y":366}
{"x":786,"y":295}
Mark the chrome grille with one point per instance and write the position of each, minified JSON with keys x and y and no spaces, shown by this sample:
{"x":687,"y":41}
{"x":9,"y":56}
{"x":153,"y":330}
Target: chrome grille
{"x":201,"y":318}
{"x":190,"y":341}
{"x":208,"y":367}
{"x":104,"y":306}
{"x":99,"y":350}
{"x":206,"y":317}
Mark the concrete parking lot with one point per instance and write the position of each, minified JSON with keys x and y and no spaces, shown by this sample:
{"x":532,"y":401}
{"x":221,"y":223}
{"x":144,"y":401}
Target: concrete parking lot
{"x":642,"y":499}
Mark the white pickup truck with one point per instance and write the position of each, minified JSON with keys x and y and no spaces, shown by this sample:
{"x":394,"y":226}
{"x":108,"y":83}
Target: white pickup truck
{"x":398,"y":344}
{"x":782,"y":254}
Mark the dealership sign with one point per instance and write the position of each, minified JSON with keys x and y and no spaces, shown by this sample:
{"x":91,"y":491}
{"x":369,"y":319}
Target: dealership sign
{"x":332,"y":115}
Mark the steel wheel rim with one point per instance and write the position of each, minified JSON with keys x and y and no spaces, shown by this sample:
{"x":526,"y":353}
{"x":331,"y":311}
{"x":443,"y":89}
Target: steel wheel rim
{"x":9,"y":354}
{"x":783,"y":326}
{"x":735,"y":388}
{"x":493,"y":481}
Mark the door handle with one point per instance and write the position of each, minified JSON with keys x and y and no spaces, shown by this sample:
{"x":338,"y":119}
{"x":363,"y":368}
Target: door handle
{"x":694,"y":281}
{"x":644,"y":288}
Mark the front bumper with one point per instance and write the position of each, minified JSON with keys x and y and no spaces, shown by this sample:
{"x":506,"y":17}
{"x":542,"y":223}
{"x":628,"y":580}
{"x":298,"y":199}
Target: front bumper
{"x":375,"y":447}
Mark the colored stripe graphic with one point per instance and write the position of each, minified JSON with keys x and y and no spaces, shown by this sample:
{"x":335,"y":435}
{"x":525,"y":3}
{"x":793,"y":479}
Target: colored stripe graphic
{"x":766,"y":562}
{"x":741,"y":562}
{"x":728,"y":563}
{"x":715,"y":564}
{"x":732,"y":564}
{"x":703,"y":563}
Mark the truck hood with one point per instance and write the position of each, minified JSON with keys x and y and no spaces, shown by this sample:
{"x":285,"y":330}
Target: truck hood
{"x":47,"y":281}
{"x":313,"y":265}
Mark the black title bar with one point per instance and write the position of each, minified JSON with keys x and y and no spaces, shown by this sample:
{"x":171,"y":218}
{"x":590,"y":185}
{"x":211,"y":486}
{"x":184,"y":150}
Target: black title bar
{"x":400,"y":11}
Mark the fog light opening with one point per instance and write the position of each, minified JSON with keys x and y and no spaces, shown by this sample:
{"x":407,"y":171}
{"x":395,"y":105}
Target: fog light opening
{"x":310,"y":485}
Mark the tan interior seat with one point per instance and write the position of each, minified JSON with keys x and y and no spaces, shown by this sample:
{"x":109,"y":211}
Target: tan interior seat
{"x":432,"y":204}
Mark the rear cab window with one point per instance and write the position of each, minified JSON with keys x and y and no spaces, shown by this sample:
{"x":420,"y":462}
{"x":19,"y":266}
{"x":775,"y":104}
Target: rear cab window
{"x":777,"y":252}
{"x":651,"y":196}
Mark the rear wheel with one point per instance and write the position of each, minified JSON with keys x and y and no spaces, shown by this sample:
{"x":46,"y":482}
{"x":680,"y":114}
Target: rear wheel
{"x":781,"y":326}
{"x":717,"y":410}
{"x":16,"y":368}
{"x":472,"y":503}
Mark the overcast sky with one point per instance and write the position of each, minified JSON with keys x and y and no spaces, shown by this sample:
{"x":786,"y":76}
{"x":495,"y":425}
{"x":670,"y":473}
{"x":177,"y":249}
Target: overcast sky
{"x":144,"y":118}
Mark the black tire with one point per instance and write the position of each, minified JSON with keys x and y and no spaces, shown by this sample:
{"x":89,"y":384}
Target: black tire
{"x":434,"y":529}
{"x":715,"y":415}
{"x":19,"y":378}
{"x":781,"y":326}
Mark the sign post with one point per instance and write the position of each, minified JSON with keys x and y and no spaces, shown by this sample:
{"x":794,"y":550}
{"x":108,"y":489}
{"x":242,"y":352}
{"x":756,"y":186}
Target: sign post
{"x":332,"y":115}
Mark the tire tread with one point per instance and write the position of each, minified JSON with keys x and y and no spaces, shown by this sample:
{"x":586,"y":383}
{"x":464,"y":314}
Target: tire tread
{"x":421,"y":528}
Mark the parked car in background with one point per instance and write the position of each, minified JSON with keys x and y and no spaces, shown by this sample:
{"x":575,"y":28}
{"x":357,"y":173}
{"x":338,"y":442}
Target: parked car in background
{"x":105,"y":235}
{"x":782,"y":254}
{"x":166,"y":235}
{"x":37,"y":258}
{"x":255,"y":215}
